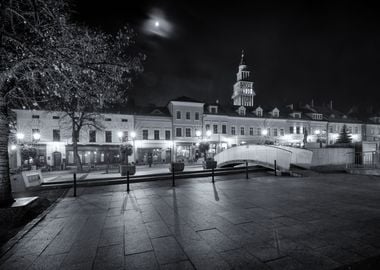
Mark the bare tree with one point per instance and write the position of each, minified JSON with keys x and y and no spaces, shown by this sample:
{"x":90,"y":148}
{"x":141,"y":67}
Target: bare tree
{"x":48,"y":61}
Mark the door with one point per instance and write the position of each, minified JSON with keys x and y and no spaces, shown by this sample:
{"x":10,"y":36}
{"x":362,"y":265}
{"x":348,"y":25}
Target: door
{"x":57,"y":160}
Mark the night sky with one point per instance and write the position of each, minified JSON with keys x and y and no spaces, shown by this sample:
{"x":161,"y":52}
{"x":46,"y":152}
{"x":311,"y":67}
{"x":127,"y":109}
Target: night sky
{"x":296,"y":51}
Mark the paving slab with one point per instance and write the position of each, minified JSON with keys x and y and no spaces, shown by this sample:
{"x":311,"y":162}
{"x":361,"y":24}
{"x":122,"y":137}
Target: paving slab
{"x":317,"y":222}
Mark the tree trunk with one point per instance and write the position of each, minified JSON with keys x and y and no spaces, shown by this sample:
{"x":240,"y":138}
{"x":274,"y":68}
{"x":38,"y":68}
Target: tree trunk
{"x":77,"y":160}
{"x":6,"y":197}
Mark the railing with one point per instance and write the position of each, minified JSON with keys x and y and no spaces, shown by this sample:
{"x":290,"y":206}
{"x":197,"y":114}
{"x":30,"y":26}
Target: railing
{"x":364,"y":160}
{"x":261,"y":154}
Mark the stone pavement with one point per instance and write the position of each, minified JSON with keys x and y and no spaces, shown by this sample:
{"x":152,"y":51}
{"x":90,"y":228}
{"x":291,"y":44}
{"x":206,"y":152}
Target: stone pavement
{"x":320,"y":222}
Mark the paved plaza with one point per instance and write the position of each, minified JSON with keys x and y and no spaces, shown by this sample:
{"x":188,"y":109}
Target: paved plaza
{"x":319,"y":222}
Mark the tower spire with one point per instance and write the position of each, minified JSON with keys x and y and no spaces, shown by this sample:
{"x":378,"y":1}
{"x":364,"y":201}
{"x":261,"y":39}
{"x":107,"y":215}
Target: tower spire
{"x":242,"y":61}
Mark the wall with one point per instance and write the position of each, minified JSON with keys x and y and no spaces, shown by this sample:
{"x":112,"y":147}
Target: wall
{"x":331,"y":156}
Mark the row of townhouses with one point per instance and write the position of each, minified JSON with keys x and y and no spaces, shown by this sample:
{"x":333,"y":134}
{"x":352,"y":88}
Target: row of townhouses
{"x":174,"y":132}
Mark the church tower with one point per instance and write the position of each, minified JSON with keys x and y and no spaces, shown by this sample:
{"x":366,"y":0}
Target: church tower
{"x":243,"y":92}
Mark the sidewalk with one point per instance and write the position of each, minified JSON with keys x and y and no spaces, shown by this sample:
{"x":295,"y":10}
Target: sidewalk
{"x":320,"y":222}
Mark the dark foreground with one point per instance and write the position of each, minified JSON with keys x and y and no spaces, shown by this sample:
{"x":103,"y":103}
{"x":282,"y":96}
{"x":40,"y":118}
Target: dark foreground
{"x":321,"y":222}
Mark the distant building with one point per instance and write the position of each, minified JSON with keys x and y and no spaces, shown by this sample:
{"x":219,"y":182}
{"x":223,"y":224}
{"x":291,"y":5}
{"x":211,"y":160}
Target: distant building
{"x":174,"y":132}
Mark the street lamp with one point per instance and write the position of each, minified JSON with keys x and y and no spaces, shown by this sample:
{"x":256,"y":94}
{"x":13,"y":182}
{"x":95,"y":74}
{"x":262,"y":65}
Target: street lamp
{"x":208,"y":133}
{"x":120,"y":135}
{"x":20,"y":136}
{"x":198,"y":133}
{"x":318,"y":133}
{"x":36,"y":136}
{"x":133,"y":136}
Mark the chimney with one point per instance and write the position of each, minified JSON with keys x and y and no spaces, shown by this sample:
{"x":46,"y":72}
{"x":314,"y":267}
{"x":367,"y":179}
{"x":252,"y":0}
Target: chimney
{"x":331,"y":104}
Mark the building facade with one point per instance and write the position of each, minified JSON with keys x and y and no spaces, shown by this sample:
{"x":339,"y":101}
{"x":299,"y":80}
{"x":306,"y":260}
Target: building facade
{"x":173,"y":132}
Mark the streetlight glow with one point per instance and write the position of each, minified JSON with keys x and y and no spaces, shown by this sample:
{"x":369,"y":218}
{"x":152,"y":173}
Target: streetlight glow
{"x":120,"y":134}
{"x":264,"y":132}
{"x":36,"y":136}
{"x":198,"y":133}
{"x":157,"y":24}
{"x":13,"y":147}
{"x":317,"y":132}
{"x":133,"y":134}
{"x":20,"y":136}
{"x":208,"y":133}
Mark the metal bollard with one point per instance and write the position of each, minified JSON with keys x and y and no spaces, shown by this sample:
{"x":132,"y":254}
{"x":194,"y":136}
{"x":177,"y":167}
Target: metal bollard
{"x":212,"y":174}
{"x":173,"y":176}
{"x":275,"y":167}
{"x":128,"y":181}
{"x":75,"y":184}
{"x":246,"y":169}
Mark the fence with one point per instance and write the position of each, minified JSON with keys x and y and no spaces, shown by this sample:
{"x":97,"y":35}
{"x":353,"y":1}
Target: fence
{"x":364,"y":160}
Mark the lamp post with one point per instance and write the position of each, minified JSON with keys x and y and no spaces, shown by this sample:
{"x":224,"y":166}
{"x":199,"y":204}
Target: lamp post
{"x":198,"y":134}
{"x":264,"y":132}
{"x":318,"y":133}
{"x":133,"y":136}
{"x":120,"y":136}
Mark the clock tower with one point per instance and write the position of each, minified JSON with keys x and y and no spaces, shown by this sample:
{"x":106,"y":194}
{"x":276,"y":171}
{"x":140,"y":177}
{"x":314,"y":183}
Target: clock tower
{"x":243,"y":92}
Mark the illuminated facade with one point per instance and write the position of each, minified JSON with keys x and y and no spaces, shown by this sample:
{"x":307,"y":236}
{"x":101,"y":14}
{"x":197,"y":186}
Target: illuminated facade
{"x":174,"y":132}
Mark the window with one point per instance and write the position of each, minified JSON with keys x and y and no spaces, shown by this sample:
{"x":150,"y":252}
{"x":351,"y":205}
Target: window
{"x":291,"y":130}
{"x":56,"y":135}
{"x":224,"y":129}
{"x":298,"y":130}
{"x":258,"y":131}
{"x":178,"y":115}
{"x":55,"y":117}
{"x":167,"y":134}
{"x":188,"y":132}
{"x":156,"y":134}
{"x":207,"y":127}
{"x":92,"y":137}
{"x":275,"y":134}
{"x":350,"y":129}
{"x":34,"y":116}
{"x":188,"y":115}
{"x":145,"y":134}
{"x":108,"y":136}
{"x":197,"y":116}
{"x":275,"y":113}
{"x":356,"y":129}
{"x":233,"y":131}
{"x":268,"y":131}
{"x":259,"y":113}
{"x":124,"y":120}
{"x":331,"y":128}
{"x":282,"y":132}
{"x":242,"y":131}
{"x":108,"y":119}
{"x":297,"y":115}
{"x":251,"y":131}
{"x":178,"y":132}
{"x":215,"y":129}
